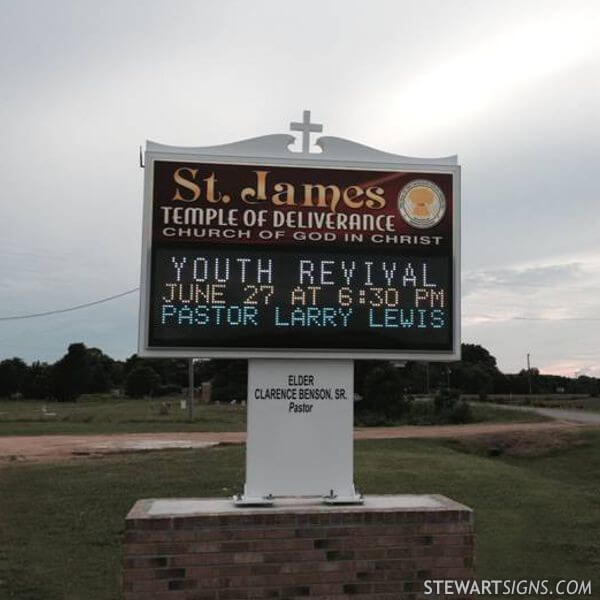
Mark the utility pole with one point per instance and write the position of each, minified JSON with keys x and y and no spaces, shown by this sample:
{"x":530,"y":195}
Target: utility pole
{"x":190,"y":402}
{"x":427,"y":378}
{"x":529,"y":373}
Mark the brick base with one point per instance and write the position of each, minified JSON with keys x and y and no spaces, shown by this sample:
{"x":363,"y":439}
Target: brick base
{"x":210,"y":550}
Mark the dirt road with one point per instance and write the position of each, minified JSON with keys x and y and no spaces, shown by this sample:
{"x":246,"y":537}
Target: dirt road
{"x":50,"y":448}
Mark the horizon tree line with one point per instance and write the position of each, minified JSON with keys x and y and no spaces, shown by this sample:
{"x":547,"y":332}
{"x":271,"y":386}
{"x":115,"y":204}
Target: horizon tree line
{"x":84,"y":370}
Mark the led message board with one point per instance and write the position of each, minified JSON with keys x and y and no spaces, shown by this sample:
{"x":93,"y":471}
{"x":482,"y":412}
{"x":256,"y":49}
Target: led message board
{"x":304,"y":259}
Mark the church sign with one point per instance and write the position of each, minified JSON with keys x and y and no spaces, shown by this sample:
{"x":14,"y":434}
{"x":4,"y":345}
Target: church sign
{"x":300,"y":262}
{"x":252,"y":250}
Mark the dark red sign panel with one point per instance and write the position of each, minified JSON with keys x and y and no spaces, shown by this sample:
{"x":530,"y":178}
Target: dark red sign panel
{"x":216,"y":204}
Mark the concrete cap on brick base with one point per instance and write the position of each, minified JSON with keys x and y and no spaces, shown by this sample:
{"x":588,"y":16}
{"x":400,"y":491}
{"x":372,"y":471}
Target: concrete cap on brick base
{"x":180,"y":507}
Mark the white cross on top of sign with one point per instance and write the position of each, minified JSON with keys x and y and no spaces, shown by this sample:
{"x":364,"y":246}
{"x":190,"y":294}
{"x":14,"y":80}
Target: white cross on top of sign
{"x":306,"y":127}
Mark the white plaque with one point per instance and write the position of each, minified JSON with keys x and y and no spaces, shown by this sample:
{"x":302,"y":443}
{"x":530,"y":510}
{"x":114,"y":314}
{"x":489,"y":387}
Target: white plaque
{"x":300,"y":418}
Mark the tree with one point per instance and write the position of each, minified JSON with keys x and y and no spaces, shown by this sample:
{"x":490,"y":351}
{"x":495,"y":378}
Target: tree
{"x":477,"y":371}
{"x":229,"y":380}
{"x":587,"y":385}
{"x":117,"y":373}
{"x":362,"y":368}
{"x":72,"y":374}
{"x":100,"y":371}
{"x":37,"y":384}
{"x":476,"y":354}
{"x":473,"y":378}
{"x":170,"y":370}
{"x":384,"y":391}
{"x":12,"y":375}
{"x":141,"y":381}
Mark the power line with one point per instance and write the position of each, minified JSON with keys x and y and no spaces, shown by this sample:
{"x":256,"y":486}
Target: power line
{"x":64,"y":310}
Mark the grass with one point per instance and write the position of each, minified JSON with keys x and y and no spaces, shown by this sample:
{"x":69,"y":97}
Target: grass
{"x":104,"y":414}
{"x":492,"y":414}
{"x":565,"y":401}
{"x":537,"y":516}
{"x":61,"y":526}
{"x":589,"y":403}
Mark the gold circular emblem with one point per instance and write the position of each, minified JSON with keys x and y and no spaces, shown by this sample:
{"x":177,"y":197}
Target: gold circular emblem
{"x":421,"y":203}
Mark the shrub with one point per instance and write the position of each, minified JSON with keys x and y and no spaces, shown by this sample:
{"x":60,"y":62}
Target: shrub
{"x":164,"y":409}
{"x":460,"y":413}
{"x":422,"y":413}
{"x":445,"y":399}
{"x":450,"y":409}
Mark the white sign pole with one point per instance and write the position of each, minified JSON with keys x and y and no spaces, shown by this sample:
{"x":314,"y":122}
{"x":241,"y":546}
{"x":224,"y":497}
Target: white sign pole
{"x":300,"y":423}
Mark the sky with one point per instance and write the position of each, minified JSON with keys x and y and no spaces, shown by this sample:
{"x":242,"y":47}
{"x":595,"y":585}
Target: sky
{"x":511,"y":87}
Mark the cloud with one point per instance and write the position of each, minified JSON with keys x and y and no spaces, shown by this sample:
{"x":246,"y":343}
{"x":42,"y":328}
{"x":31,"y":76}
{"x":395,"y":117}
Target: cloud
{"x":511,"y":87}
{"x":561,"y":347}
{"x":549,"y":310}
{"x":544,"y":276}
{"x":564,"y":290}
